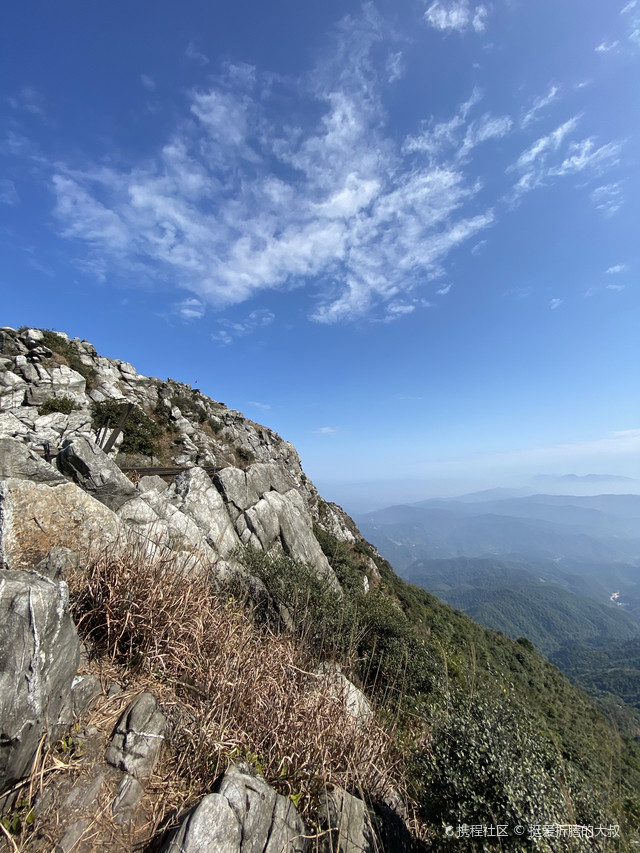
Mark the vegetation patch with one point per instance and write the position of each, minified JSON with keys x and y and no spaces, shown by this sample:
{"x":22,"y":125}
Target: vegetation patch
{"x":68,"y":354}
{"x":231,"y":685}
{"x":64,"y":405}
{"x":140,"y":432}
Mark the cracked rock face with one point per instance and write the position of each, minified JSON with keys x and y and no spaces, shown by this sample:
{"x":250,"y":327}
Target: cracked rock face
{"x":39,"y":654}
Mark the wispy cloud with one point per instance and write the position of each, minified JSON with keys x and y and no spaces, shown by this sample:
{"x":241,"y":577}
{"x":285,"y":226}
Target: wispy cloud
{"x":230,"y":330}
{"x":617,"y":287}
{"x":538,"y":106}
{"x":148,"y":82}
{"x":608,"y":198}
{"x":263,"y":406}
{"x":195,"y":55}
{"x":240,"y":200}
{"x":456,"y":15}
{"x":554,"y":155}
{"x":325,"y":430}
{"x":606,"y":46}
{"x":555,"y":303}
{"x":616,"y":268}
{"x":444,"y":290}
{"x":29,"y":100}
{"x":191,"y":309}
{"x":8,"y":192}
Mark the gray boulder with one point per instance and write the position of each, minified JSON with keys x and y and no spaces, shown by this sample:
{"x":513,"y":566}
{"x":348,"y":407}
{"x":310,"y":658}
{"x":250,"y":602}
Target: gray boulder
{"x":269,"y":822}
{"x":211,"y":825}
{"x":138,"y":738}
{"x":245,"y":816}
{"x":354,"y":700}
{"x":17,"y":460}
{"x":348,"y":825}
{"x":86,"y":464}
{"x":39,"y":655}
{"x":35,"y":517}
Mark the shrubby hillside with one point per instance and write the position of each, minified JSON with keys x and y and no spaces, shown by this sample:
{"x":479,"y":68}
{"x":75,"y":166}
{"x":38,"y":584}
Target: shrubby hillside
{"x":215,"y":658}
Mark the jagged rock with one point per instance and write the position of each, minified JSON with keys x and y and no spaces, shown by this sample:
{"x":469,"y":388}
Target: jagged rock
{"x":152,"y":483}
{"x":138,"y":738}
{"x":127,"y":797}
{"x":58,"y":563}
{"x":20,"y":462}
{"x":269,"y":822}
{"x":85,"y":689}
{"x":34,"y":517}
{"x":211,"y":825}
{"x":246,"y":815}
{"x":95,"y":472}
{"x":72,"y":836}
{"x":349,"y":825}
{"x":39,"y":654}
{"x":58,"y":382}
{"x":355,"y":702}
{"x":197,"y":497}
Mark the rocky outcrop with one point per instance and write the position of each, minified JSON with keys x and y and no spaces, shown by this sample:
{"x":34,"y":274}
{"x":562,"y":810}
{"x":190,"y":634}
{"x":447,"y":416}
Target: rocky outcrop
{"x":62,"y":497}
{"x":35,"y":517}
{"x":243,"y":816}
{"x":39,"y":653}
{"x":82,"y":461}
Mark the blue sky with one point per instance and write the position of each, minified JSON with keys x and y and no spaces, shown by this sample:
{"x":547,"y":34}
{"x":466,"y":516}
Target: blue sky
{"x":404,"y":235}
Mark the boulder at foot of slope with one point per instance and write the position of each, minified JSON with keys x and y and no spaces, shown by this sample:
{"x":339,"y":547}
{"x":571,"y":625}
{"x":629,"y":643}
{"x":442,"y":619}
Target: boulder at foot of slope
{"x":245,"y":815}
{"x":39,"y":655}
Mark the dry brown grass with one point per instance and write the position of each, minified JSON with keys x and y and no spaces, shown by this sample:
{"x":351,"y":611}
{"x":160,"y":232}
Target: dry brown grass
{"x":231,"y":687}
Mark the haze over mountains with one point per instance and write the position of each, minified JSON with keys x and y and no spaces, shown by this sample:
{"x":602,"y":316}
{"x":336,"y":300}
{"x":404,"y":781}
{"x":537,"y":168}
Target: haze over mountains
{"x":561,"y":570}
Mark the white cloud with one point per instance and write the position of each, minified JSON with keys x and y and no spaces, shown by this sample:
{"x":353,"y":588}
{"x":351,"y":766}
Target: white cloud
{"x":238,"y":200}
{"x":230,"y":330}
{"x":325,"y":430}
{"x":191,"y":309}
{"x":148,"y":82}
{"x":194,"y":54}
{"x":456,"y":15}
{"x":29,"y":100}
{"x":585,"y":155}
{"x":553,"y":156}
{"x":8,"y":192}
{"x":444,"y":290}
{"x":616,"y":287}
{"x":616,"y":268}
{"x":555,"y":303}
{"x":608,"y":198}
{"x":264,"y":406}
{"x":605,"y":47}
{"x":538,"y":105}
{"x":631,"y":5}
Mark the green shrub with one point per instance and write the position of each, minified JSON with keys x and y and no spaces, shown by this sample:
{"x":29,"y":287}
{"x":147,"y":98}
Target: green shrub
{"x":246,"y":456}
{"x":139,"y":432}
{"x":67,"y":351}
{"x":64,"y":405}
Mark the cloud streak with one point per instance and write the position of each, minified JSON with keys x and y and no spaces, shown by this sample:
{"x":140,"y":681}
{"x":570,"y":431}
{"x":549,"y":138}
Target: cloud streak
{"x":456,"y":15}
{"x":237,"y":201}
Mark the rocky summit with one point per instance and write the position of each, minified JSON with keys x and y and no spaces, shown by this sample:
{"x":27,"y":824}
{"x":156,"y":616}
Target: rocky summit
{"x":71,"y":424}
{"x":198,"y":653}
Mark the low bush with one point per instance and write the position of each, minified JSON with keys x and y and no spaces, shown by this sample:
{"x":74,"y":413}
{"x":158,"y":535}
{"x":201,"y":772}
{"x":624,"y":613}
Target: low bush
{"x":64,"y":405}
{"x":140,"y":432}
